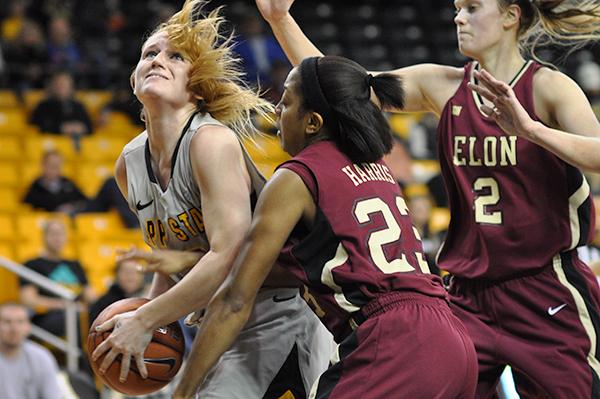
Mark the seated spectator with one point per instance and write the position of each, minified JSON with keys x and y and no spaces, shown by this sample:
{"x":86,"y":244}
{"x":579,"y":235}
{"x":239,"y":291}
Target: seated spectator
{"x":129,"y":282}
{"x":52,"y":191}
{"x":60,"y":112}
{"x":109,"y":197}
{"x":422,"y":137}
{"x":49,"y":308}
{"x":63,"y":53}
{"x":27,"y":370}
{"x":26,"y":59}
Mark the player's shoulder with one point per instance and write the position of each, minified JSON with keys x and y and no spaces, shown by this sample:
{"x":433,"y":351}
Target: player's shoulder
{"x":137,"y":142}
{"x":214,"y":137}
{"x":554,"y":83}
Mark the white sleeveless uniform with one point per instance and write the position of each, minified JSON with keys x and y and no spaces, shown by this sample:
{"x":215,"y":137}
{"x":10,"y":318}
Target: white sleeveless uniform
{"x":280,"y":321}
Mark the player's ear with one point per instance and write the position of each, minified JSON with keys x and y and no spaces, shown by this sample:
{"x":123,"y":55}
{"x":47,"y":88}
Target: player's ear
{"x":512,"y":16}
{"x":314,"y":123}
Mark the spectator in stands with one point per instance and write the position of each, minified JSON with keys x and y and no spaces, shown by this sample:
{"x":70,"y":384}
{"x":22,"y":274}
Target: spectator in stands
{"x":48,"y":308}
{"x":27,"y":370}
{"x":109,"y":197}
{"x":422,"y":137}
{"x":400,"y":162}
{"x":63,"y":53}
{"x":258,"y":50}
{"x":129,"y":282}
{"x":60,"y":112}
{"x":420,"y":205}
{"x":26,"y":58}
{"x":52,"y":191}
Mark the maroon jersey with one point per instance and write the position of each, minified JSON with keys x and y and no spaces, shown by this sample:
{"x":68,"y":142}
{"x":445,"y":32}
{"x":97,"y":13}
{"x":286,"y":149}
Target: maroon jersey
{"x":513,"y":204}
{"x":362,"y":244}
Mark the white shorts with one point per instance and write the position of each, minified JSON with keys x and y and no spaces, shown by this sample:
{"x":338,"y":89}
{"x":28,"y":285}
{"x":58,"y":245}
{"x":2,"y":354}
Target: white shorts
{"x":280,"y":319}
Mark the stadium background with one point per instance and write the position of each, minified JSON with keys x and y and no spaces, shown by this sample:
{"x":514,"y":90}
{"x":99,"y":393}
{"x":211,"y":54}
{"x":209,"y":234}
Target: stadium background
{"x":107,"y":35}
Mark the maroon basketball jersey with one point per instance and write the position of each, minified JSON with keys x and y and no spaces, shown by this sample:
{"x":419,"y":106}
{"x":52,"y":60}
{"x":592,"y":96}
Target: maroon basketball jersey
{"x":513,"y":204}
{"x":362,"y":243}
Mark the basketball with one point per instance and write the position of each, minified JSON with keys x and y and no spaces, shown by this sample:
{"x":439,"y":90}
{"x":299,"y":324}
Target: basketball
{"x":163,"y":356}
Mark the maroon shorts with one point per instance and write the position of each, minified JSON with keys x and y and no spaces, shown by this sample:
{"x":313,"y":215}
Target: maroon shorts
{"x":409,"y":346}
{"x":545,"y":326}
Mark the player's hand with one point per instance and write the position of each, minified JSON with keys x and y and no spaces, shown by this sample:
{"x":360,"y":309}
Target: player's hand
{"x":129,"y":339}
{"x":507,"y":112}
{"x":273,"y":10}
{"x":161,"y":260}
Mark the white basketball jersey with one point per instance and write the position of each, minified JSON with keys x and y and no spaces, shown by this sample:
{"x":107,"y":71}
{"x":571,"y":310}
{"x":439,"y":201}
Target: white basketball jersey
{"x":173,"y":218}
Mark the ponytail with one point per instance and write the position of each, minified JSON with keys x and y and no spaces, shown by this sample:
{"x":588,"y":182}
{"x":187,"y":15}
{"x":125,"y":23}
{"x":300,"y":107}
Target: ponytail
{"x":340,"y":90}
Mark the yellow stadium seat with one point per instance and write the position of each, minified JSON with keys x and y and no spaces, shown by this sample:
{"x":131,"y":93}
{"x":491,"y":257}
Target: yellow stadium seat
{"x":27,"y":250}
{"x":97,"y":226}
{"x":30,"y":225}
{"x":37,"y":145}
{"x":400,"y":123}
{"x":439,"y":220}
{"x":9,"y":200}
{"x":9,"y":175}
{"x":101,"y":148}
{"x":8,"y":99}
{"x":10,"y":148}
{"x":100,"y":255}
{"x":8,"y":231}
{"x":90,"y":176}
{"x":93,"y":100}
{"x":9,"y":282}
{"x":13,"y":121}
{"x":31,"y":99}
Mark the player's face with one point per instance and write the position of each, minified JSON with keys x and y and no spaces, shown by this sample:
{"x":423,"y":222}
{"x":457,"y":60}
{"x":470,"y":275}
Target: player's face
{"x":478,"y":26}
{"x":14,"y":326}
{"x":162,"y":73}
{"x":291,"y":116}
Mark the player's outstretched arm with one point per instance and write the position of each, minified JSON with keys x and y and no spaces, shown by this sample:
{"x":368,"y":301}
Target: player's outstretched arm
{"x":281,"y":205}
{"x":575,"y":136}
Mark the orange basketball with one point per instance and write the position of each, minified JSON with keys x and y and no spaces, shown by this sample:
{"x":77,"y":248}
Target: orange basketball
{"x":163,"y":356}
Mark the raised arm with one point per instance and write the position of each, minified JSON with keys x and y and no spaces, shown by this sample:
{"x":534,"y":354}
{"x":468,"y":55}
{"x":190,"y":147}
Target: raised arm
{"x":427,"y":86}
{"x":570,"y":129}
{"x":283,"y":202}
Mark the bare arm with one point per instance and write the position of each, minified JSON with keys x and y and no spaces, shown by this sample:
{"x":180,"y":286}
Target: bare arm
{"x":31,"y":298}
{"x":283,"y":202}
{"x":570,"y":129}
{"x":224,"y":186}
{"x":427,"y":86}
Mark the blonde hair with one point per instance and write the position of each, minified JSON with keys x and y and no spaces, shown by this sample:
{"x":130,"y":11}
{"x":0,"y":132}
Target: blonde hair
{"x":215,"y":74}
{"x":572,"y":23}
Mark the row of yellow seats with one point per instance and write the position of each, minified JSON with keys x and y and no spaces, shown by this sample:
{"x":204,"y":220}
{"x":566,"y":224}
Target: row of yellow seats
{"x":14,"y":122}
{"x":32,"y":147}
{"x":93,"y":100}
{"x":97,"y":258}
{"x":101,"y":226}
{"x":15,"y":179}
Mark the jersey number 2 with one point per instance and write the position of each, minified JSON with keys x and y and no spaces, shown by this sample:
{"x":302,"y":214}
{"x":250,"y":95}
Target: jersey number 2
{"x":482,"y":216}
{"x":377,"y":239}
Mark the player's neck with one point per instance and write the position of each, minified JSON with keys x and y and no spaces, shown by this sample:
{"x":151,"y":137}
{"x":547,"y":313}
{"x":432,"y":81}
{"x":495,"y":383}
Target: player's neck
{"x":503,"y":62}
{"x":164,"y":130}
{"x":9,"y":351}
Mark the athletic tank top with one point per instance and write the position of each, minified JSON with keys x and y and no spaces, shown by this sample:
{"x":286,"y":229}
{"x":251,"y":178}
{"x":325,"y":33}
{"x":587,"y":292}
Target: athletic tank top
{"x":173,"y":218}
{"x":362,"y":244}
{"x":514,"y":205}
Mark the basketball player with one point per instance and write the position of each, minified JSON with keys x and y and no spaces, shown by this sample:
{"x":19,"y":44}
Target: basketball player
{"x":518,"y":211}
{"x":354,"y":248}
{"x":192,"y":186}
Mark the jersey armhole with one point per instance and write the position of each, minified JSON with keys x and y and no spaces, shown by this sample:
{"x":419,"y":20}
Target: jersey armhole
{"x":307,"y":176}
